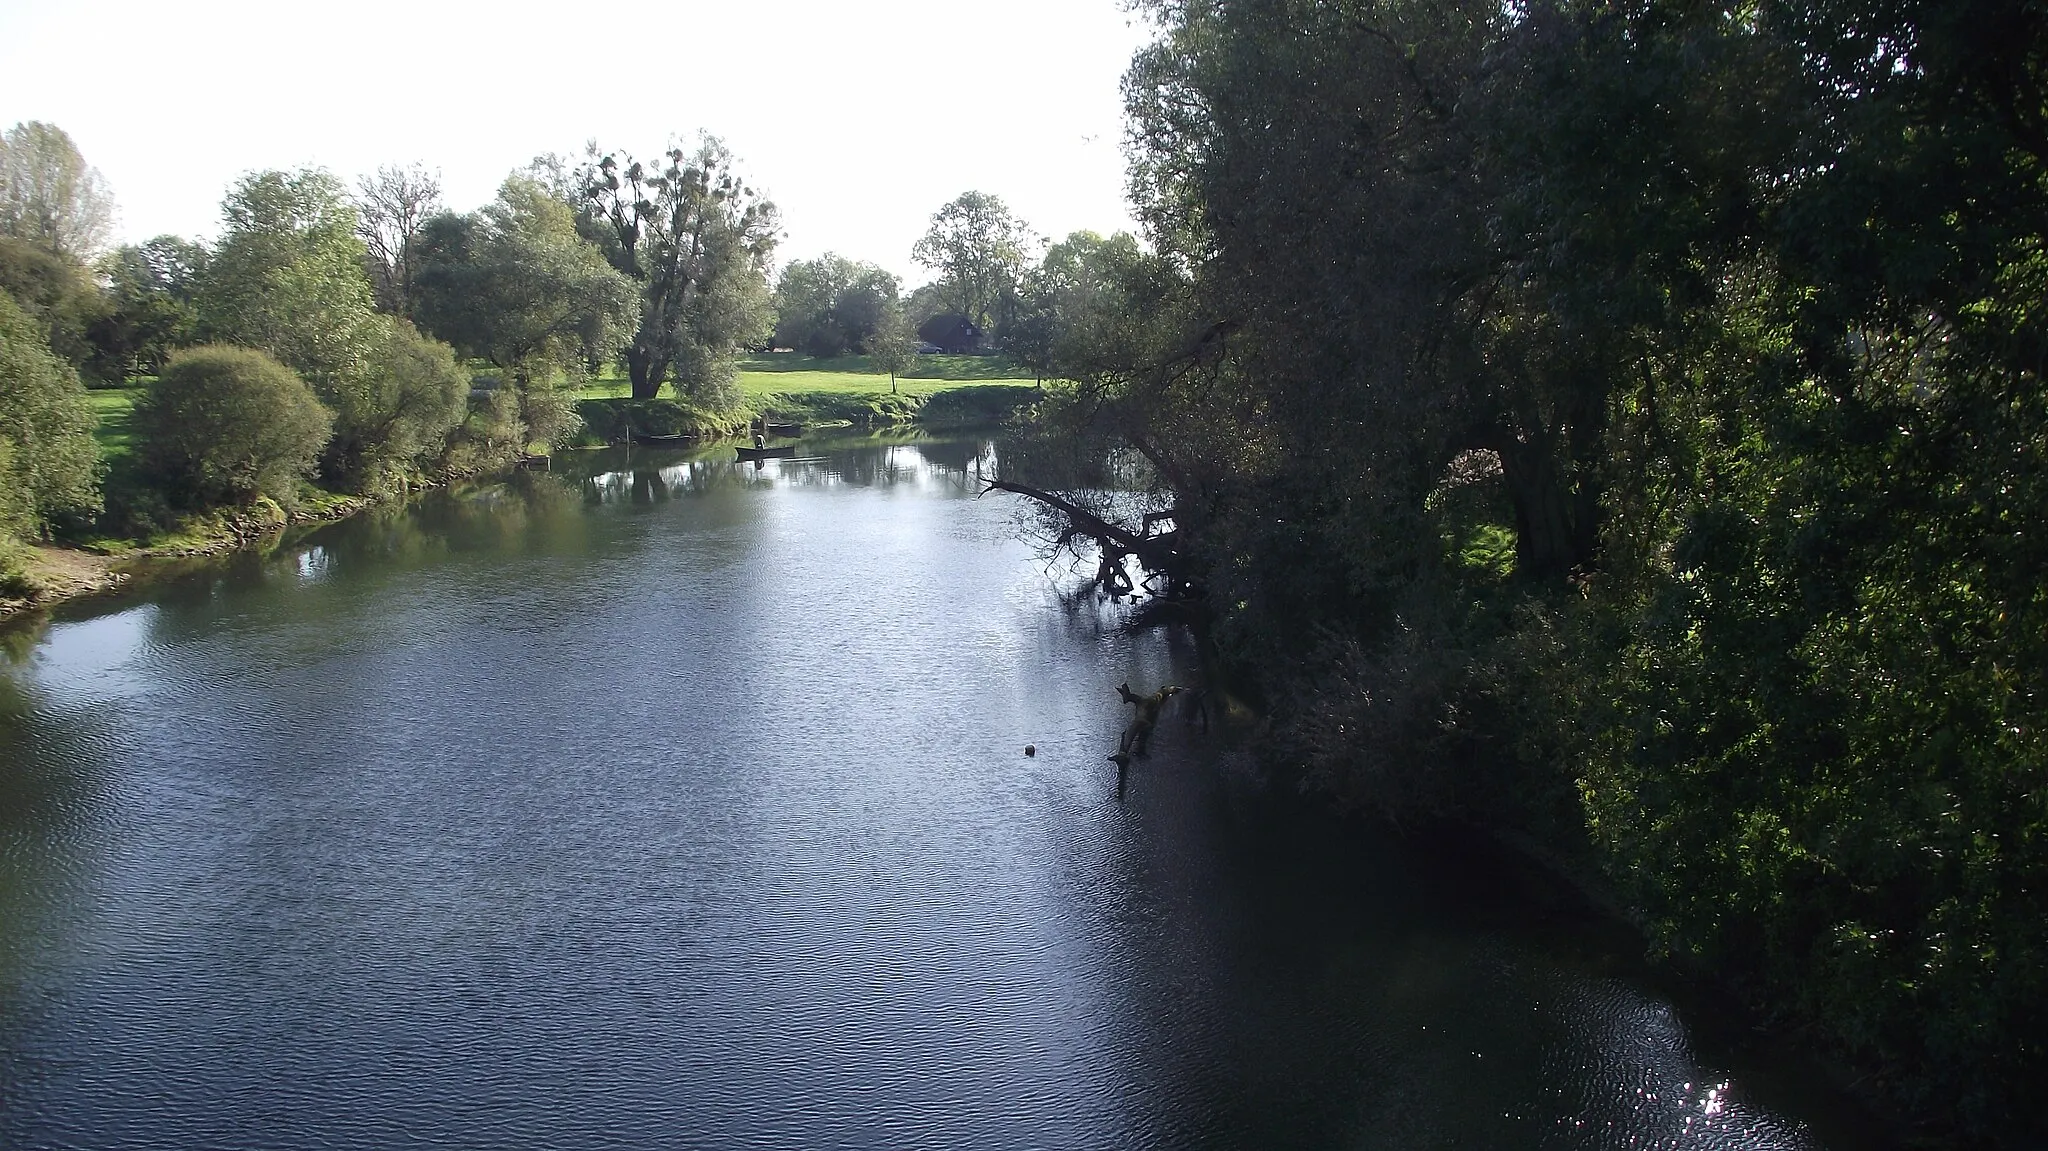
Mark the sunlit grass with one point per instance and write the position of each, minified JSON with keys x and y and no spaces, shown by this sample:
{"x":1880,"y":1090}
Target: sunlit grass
{"x":793,"y":373}
{"x":114,"y":407}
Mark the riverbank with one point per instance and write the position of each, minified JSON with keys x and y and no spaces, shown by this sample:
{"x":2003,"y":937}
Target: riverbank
{"x":60,"y":573}
{"x":57,"y":574}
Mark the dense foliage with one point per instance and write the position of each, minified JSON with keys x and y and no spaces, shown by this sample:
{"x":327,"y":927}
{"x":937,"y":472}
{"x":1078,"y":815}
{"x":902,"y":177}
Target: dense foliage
{"x":150,"y":307}
{"x":394,"y":415}
{"x":287,"y":276}
{"x":58,"y":295}
{"x":515,"y":284}
{"x":49,"y":466}
{"x":227,"y":425}
{"x":1624,"y":425}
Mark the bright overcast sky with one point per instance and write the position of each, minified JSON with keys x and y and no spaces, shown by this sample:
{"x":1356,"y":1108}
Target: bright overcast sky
{"x":858,"y":119}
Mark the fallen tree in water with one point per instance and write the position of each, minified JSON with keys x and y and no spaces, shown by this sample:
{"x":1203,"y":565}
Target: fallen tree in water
{"x":1166,"y":569}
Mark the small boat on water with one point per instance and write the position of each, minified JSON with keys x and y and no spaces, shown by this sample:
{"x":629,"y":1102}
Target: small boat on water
{"x":779,"y":453}
{"x":680,"y":439}
{"x":785,"y":429}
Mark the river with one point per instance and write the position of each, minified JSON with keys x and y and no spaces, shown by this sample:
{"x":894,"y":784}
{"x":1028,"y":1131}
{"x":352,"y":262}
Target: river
{"x":679,"y":803}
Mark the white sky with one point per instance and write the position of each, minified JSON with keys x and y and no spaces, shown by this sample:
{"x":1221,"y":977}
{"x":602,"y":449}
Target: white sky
{"x":858,"y":119}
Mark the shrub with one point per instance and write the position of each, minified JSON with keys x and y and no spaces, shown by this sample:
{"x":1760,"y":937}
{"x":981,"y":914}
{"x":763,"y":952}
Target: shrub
{"x":49,"y":465}
{"x":228,"y":425}
{"x":395,"y":411}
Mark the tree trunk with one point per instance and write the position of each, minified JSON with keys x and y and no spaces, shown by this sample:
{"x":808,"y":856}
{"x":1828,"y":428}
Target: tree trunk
{"x":1556,"y":521}
{"x":640,"y":365}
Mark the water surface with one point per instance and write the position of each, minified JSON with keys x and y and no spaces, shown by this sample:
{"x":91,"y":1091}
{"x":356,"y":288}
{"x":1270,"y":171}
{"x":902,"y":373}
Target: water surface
{"x":679,"y":803}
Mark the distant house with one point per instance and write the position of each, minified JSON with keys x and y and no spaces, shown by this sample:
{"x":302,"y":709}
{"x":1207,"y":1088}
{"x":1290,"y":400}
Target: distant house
{"x":952,"y":334}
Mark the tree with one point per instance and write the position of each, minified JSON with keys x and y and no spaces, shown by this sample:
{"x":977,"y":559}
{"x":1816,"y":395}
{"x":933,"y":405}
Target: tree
{"x":392,"y":419}
{"x":288,"y":276}
{"x":1726,"y":324}
{"x":979,"y":251}
{"x":49,"y":197}
{"x":176,"y":266}
{"x":57,"y":294}
{"x":391,"y":206}
{"x":892,"y":346}
{"x":149,"y":294}
{"x":830,"y":305}
{"x":1058,"y":298}
{"x":49,"y":463}
{"x":698,"y":241}
{"x":516,"y":284}
{"x":228,"y":425}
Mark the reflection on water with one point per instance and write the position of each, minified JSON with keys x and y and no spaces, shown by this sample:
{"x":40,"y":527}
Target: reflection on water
{"x":664,"y":800}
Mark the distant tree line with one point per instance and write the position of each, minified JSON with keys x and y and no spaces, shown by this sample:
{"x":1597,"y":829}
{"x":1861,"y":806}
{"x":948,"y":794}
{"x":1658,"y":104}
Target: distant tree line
{"x":1622,"y":426}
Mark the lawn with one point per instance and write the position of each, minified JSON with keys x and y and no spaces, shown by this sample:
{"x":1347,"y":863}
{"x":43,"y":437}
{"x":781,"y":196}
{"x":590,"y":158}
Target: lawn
{"x":113,"y":407}
{"x":790,"y":373}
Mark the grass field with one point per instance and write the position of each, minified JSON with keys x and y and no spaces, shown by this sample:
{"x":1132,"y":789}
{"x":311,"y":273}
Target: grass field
{"x":113,"y":406}
{"x":789,"y":373}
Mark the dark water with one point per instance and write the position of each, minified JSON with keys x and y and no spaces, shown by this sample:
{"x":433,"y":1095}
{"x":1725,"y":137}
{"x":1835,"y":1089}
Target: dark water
{"x":687,"y":806}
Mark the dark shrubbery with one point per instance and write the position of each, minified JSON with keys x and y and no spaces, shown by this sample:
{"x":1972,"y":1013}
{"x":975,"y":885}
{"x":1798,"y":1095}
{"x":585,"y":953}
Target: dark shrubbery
{"x":979,"y":404}
{"x":1625,"y":426}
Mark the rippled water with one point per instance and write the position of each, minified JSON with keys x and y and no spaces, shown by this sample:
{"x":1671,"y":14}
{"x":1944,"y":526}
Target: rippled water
{"x":684,"y":804}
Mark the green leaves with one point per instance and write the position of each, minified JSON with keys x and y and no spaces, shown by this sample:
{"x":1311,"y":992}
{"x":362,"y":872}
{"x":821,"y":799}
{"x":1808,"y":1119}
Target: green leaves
{"x":229,"y":425}
{"x":1747,"y":305}
{"x":288,"y":276}
{"x":698,"y":242}
{"x":49,"y":465}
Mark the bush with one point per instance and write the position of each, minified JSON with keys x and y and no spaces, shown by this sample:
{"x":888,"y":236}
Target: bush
{"x":395,"y":411}
{"x":49,"y":465}
{"x":228,"y":425}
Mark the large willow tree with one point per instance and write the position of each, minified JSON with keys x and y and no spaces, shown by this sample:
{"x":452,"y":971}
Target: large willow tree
{"x":698,"y":241}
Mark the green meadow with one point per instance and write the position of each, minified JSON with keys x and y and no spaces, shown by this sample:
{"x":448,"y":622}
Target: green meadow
{"x":114,"y":406}
{"x":793,"y":373}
